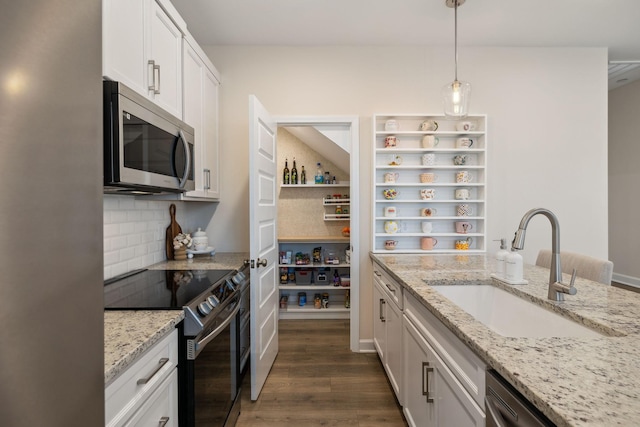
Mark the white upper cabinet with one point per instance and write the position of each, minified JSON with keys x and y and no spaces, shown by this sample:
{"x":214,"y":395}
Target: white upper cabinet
{"x":142,"y":48}
{"x":201,"y":86}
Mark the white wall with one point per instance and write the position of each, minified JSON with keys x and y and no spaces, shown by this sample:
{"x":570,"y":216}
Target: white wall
{"x":624,"y":180}
{"x":547,"y":128}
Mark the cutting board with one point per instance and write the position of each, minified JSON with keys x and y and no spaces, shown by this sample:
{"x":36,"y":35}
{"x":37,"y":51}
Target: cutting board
{"x":172,"y":231}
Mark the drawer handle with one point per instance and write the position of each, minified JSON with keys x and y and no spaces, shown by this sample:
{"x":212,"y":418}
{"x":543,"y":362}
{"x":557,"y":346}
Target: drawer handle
{"x":382,"y":302}
{"x":425,"y":380}
{"x":161,"y":363}
{"x":390,"y":288}
{"x":163,"y":421}
{"x":377,"y":273}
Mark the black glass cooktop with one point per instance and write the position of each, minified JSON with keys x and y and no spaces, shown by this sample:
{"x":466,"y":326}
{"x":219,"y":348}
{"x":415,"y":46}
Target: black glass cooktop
{"x":161,"y":289}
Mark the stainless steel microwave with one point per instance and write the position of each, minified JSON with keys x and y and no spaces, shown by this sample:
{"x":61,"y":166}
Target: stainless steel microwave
{"x":146,"y":149}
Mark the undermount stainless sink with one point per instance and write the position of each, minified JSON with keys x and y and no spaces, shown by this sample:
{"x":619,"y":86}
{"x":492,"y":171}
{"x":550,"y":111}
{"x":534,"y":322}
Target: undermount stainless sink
{"x":511,"y":316}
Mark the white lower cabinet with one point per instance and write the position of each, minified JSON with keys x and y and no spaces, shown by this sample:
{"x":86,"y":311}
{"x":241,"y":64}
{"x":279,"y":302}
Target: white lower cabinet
{"x":387,"y":329}
{"x":432,"y":394}
{"x":146,"y":393}
{"x":437,"y":379}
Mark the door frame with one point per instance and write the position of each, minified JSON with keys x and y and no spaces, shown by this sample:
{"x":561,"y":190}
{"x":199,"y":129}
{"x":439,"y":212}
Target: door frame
{"x":354,"y":191}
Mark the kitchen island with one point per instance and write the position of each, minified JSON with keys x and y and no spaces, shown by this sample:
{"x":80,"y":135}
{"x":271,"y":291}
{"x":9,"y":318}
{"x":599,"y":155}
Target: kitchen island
{"x":573,"y":381}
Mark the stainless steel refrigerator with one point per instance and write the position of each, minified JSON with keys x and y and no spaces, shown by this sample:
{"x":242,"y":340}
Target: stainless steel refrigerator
{"x":51,"y":255}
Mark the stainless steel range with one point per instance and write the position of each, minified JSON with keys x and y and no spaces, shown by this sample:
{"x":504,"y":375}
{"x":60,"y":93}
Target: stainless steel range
{"x":209,"y":364}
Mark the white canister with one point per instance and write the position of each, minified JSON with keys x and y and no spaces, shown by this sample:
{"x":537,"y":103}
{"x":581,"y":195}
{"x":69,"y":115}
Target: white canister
{"x":200,"y":240}
{"x":391,"y":125}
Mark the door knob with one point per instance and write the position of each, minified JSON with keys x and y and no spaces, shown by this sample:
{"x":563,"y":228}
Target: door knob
{"x":261,"y":262}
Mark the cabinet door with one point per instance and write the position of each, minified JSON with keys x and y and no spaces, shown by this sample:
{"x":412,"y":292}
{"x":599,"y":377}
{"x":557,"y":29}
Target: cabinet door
{"x":417,"y":359}
{"x":393,"y":356}
{"x":379,"y":329}
{"x":123,"y":43}
{"x":433,"y":396}
{"x":165,"y":50}
{"x":210,"y":134}
{"x":201,"y":112}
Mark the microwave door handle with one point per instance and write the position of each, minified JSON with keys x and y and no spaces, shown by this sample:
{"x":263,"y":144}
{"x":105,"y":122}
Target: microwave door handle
{"x":187,"y":153}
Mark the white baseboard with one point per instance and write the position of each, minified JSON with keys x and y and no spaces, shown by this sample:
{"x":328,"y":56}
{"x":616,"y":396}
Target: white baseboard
{"x":626,"y":280}
{"x":366,"y":346}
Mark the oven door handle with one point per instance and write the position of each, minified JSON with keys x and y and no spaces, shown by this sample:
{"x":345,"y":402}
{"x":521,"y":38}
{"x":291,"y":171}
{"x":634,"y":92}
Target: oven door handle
{"x":204,"y":341}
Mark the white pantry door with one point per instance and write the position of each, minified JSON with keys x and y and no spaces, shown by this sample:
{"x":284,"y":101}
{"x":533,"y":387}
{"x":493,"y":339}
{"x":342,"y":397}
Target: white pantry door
{"x":263,"y":244}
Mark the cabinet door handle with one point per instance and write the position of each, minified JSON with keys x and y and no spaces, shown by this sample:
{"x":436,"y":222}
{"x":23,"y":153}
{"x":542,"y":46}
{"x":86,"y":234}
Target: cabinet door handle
{"x":152,"y":67}
{"x":159,"y":366}
{"x":207,"y":174}
{"x":425,"y":380}
{"x":390,"y":288}
{"x":163,"y":421}
{"x":382,"y":302}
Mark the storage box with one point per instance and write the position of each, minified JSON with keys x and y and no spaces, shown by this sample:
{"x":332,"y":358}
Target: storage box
{"x":322,"y":276}
{"x":303,"y":276}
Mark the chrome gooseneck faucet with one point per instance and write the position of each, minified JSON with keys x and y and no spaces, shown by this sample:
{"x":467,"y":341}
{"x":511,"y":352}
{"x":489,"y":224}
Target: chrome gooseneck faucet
{"x":557,"y":289}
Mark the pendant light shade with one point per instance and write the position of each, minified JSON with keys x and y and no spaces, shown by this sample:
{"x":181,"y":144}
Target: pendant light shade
{"x":455,"y":95}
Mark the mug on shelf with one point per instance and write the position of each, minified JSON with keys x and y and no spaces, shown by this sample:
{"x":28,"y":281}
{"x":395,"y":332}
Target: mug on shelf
{"x":391,"y":227}
{"x":429,"y":125}
{"x":396,"y":160}
{"x":466,"y":126}
{"x":426,"y":226}
{"x":428,"y":212}
{"x":460,"y":160}
{"x":390,"y":141}
{"x":390,"y":211}
{"x":462,"y":194}
{"x":390,"y":193}
{"x":427,"y":243}
{"x":391,"y":177}
{"x":463,"y":177}
{"x":391,"y":125}
{"x":464,"y":210}
{"x":430,"y":141}
{"x":464,"y":142}
{"x":427,"y":194}
{"x":463,"y":245}
{"x":428,"y":177}
{"x":428,"y":159}
{"x":390,"y":244}
{"x":463,"y":227}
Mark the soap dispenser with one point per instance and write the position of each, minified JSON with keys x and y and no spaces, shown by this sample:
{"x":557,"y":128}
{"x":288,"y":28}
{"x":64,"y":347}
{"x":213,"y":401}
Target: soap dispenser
{"x":501,"y":257}
{"x":513,"y":267}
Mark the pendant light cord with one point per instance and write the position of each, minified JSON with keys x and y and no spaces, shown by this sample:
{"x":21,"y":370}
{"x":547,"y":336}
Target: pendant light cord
{"x":455,"y":26}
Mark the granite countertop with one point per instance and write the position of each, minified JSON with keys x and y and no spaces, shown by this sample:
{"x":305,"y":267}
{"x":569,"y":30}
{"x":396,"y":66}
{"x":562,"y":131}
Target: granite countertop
{"x":573,"y":381}
{"x":220,"y":261}
{"x":128,"y":334}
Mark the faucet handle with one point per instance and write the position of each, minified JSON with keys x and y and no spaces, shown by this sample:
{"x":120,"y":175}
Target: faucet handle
{"x":572,"y":289}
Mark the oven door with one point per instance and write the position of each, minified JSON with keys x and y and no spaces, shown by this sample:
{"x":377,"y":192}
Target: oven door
{"x":212,"y":373}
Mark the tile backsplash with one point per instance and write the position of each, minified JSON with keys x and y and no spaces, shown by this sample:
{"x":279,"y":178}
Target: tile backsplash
{"x":134,"y":232}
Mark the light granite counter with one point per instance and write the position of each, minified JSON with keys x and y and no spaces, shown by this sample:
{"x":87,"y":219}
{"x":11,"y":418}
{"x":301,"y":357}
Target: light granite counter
{"x":128,"y":334}
{"x":574,"y":381}
{"x":220,"y":261}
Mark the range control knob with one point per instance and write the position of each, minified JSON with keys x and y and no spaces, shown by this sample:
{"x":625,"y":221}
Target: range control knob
{"x":213,"y":301}
{"x":204,"y":308}
{"x":239,"y":278}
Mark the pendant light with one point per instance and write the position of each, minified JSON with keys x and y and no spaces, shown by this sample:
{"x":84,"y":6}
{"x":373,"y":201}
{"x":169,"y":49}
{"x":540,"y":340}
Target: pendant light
{"x":455,"y":95}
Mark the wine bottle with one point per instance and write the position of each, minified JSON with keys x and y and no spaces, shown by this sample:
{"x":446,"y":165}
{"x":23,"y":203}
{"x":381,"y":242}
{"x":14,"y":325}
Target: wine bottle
{"x":303,"y":176}
{"x":319,"y":178}
{"x":294,"y":172}
{"x":285,"y":173}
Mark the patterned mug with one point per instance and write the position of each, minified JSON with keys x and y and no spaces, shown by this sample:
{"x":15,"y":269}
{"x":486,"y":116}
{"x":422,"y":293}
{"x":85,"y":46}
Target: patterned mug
{"x":464,"y":210}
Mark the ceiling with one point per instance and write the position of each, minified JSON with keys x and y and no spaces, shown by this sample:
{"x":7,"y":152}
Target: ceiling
{"x":541,"y":23}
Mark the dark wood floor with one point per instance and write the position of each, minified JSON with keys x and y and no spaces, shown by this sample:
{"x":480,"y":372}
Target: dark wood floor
{"x":317,"y":381}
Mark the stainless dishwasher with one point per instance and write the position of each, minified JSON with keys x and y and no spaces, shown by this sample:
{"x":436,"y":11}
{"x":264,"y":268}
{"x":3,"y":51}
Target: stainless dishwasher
{"x":506,"y":407}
